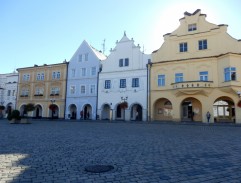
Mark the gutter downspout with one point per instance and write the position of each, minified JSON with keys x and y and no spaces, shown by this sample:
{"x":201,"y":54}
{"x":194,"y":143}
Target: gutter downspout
{"x":149,"y":65}
{"x":97,"y":95}
{"x":66,"y":85}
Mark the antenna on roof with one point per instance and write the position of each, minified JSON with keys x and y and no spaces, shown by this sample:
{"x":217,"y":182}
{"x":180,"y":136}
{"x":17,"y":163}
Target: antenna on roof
{"x":103,"y":46}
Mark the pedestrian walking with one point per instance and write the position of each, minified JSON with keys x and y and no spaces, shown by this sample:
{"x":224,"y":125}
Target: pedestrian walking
{"x":208,"y":115}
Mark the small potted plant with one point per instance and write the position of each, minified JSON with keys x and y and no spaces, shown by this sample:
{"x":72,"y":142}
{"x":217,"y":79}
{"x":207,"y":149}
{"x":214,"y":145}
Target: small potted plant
{"x":1,"y":110}
{"x":14,"y":116}
{"x":28,"y":108}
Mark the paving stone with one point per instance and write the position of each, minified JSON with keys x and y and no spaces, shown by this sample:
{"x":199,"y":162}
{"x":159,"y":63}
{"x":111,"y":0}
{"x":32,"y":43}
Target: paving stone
{"x":58,"y":151}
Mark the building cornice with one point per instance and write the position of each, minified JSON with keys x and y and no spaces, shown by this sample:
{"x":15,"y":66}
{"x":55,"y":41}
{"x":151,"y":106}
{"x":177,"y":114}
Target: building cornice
{"x":196,"y":58}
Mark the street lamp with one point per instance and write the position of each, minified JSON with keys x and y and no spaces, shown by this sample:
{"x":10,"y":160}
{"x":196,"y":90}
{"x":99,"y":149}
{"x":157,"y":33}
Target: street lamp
{"x":239,"y":93}
{"x":124,"y":99}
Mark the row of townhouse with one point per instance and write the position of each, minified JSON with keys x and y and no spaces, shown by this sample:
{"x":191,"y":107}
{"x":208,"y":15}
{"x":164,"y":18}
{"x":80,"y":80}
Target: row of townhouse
{"x":196,"y":70}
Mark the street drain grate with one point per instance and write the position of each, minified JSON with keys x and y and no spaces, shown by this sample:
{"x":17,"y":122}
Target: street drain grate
{"x":99,"y":168}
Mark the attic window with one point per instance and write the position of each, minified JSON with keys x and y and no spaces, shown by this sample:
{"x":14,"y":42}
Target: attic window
{"x":192,"y":27}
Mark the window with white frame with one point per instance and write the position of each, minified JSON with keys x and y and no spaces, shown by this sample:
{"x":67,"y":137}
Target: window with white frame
{"x":93,"y":71}
{"x":39,"y":91}
{"x":24,"y":92}
{"x":26,"y":77}
{"x":203,"y":75}
{"x":203,"y":44}
{"x":72,"y":89}
{"x":40,"y":76}
{"x":56,"y":75}
{"x":123,"y":62}
{"x":183,"y":47}
{"x":230,"y":74}
{"x":83,"y":72}
{"x":107,"y":84}
{"x":161,"y":80}
{"x":192,"y":27}
{"x":178,"y":77}
{"x":135,"y":82}
{"x":86,"y":57}
{"x":9,"y":92}
{"x":80,"y":58}
{"x":72,"y":73}
{"x":122,"y":83}
{"x":92,"y":89}
{"x":82,"y":89}
{"x":55,"y":90}
{"x":120,"y":62}
{"x":126,"y":62}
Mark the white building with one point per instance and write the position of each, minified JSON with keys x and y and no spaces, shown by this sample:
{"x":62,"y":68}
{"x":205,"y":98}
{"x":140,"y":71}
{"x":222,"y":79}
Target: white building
{"x":122,"y":91}
{"x":82,"y":82}
{"x":8,"y":90}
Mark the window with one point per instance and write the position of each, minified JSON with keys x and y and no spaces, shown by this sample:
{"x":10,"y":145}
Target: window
{"x":39,"y":91}
{"x":230,"y":74}
{"x":121,"y":63}
{"x":107,"y":84}
{"x":192,"y":27}
{"x":9,"y":92}
{"x":202,"y":44}
{"x":26,"y":77}
{"x":93,"y":71}
{"x":82,"y":89}
{"x":135,"y":82}
{"x":53,"y":75}
{"x":126,"y":61}
{"x":161,"y":80}
{"x":72,"y":89}
{"x":73,"y":73}
{"x":203,"y":76}
{"x":183,"y":47}
{"x":13,"y":94}
{"x":56,"y":75}
{"x":55,"y":90}
{"x":24,"y":92}
{"x":178,"y":77}
{"x":92,"y":89}
{"x":86,"y":56}
{"x":40,"y":76}
{"x":80,"y":58}
{"x":83,"y":72}
{"x":122,"y":83}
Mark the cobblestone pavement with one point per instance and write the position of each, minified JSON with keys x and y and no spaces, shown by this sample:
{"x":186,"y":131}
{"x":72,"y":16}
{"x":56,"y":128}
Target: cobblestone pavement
{"x":54,"y":151}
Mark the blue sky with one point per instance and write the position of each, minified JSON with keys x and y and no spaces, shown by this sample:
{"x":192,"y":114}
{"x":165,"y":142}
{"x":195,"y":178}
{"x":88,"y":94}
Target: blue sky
{"x":50,"y":31}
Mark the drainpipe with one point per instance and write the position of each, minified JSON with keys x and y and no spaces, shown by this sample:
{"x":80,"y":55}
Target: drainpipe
{"x":66,"y":85}
{"x":16,"y":98}
{"x":148,"y":89}
{"x":97,"y":86}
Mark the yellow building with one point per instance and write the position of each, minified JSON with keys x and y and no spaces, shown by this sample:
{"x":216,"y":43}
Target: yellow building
{"x":197,"y":69}
{"x":43,"y":85}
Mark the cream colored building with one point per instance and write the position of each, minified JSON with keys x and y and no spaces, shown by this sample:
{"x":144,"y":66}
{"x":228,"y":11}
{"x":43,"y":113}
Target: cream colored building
{"x":197,"y":69}
{"x":43,"y":85}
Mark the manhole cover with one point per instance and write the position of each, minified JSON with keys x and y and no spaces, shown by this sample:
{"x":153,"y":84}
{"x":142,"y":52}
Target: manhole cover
{"x":99,"y":168}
